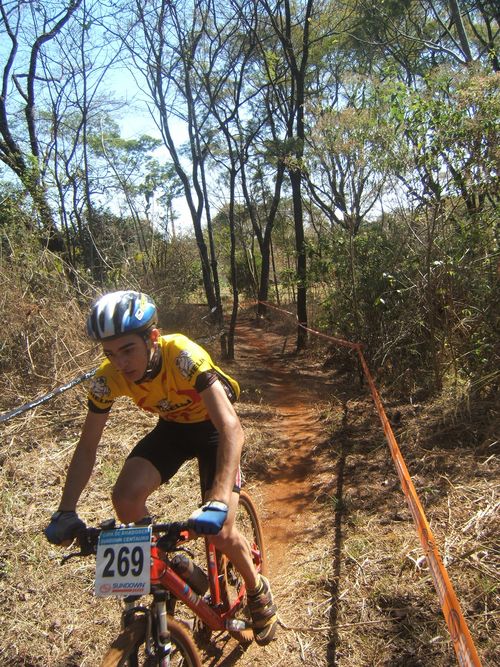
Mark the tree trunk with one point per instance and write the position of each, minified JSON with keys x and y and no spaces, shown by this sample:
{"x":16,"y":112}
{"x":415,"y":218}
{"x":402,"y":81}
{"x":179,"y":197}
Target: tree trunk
{"x":234,"y":273}
{"x":296,"y":179}
{"x":456,"y":17}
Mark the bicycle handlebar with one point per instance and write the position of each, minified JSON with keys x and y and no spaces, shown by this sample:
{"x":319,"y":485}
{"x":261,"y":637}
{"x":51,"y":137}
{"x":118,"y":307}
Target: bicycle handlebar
{"x":170,"y":534}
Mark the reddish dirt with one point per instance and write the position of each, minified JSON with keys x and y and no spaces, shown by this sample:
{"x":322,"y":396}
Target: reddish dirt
{"x":297,"y":480}
{"x":299,"y":428}
{"x":284,"y":482}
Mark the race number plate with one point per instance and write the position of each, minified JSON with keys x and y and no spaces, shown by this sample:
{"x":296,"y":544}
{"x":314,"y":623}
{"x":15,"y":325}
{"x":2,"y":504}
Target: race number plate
{"x":123,"y":562}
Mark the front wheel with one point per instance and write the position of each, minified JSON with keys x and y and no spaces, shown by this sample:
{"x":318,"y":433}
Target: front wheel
{"x":128,"y":649}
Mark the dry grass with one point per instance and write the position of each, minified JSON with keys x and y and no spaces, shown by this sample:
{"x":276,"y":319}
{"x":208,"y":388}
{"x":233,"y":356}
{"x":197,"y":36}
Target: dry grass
{"x":351,"y":591}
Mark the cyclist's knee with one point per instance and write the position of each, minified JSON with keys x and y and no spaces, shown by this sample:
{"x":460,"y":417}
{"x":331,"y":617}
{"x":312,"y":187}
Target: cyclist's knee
{"x":123,"y":508}
{"x":137,"y":480}
{"x":127,"y":508}
{"x":227,"y":535}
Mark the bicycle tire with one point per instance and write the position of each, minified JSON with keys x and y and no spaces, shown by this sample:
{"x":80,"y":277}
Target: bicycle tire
{"x":126,"y":648}
{"x":248,"y":523}
{"x":247,"y":507}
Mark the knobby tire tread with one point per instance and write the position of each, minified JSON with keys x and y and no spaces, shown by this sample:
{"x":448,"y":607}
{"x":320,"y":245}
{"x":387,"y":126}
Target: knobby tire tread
{"x":127,"y":644}
{"x":180,"y":635}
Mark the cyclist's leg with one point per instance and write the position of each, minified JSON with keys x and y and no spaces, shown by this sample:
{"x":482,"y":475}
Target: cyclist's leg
{"x":136,"y":482}
{"x":229,"y":541}
{"x":233,"y":545}
{"x":259,"y":596}
{"x":152,"y":462}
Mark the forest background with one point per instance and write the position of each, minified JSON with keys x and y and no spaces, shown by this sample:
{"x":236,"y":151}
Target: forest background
{"x":338,"y":158}
{"x":341,"y":156}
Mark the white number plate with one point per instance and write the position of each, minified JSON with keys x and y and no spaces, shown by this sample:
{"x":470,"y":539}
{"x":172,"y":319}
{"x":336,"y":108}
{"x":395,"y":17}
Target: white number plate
{"x":123,"y":562}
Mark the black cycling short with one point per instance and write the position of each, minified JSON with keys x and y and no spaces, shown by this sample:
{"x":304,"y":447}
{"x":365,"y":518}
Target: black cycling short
{"x":171,"y":444}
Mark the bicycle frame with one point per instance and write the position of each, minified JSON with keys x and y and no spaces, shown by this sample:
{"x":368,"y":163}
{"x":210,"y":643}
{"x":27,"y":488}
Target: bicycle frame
{"x":216,"y":609}
{"x":211,"y":614}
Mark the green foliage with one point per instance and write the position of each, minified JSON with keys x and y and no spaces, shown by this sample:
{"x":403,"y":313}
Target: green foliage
{"x":245,"y":274}
{"x":450,"y":130}
{"x":427,"y":315}
{"x":15,"y":214}
{"x":175,"y":274}
{"x":418,"y":286}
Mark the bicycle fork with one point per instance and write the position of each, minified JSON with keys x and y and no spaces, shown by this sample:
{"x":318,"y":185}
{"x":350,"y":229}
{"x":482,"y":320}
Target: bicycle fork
{"x":157,"y":633}
{"x":163,"y":644}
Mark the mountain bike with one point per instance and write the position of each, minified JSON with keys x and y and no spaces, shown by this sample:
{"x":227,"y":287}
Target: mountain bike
{"x":136,"y":560}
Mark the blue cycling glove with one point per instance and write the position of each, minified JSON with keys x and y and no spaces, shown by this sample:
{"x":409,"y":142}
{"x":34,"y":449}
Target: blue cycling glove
{"x":63,"y":527}
{"x":209,"y":519}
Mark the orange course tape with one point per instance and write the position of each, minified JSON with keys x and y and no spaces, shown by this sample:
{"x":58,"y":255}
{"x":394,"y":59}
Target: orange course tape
{"x":463,"y":644}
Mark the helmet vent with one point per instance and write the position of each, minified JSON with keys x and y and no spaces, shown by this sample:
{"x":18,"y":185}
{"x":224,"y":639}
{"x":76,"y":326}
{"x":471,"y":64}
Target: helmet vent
{"x":119,"y":313}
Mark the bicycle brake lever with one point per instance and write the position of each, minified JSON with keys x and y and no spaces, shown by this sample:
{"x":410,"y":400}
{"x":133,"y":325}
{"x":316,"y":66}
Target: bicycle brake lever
{"x":66,"y":558}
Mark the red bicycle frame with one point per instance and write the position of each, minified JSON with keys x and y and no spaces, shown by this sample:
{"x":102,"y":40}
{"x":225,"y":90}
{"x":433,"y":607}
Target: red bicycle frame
{"x":212,"y":615}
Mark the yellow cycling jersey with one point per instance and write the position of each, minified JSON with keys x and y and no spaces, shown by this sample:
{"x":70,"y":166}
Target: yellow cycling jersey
{"x":174,"y":392}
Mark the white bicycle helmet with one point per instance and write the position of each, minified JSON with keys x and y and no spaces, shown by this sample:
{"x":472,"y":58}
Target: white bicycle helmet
{"x":119,"y":313}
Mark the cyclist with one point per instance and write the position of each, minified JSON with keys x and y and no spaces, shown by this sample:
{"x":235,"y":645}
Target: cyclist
{"x":175,"y":378}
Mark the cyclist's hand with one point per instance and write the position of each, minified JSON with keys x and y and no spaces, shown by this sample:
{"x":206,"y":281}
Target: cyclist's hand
{"x":209,"y":519}
{"x":63,"y":528}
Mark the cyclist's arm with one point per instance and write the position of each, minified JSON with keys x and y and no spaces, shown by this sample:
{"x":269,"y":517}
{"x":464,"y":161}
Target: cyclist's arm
{"x":83,"y":460}
{"x":227,"y":423}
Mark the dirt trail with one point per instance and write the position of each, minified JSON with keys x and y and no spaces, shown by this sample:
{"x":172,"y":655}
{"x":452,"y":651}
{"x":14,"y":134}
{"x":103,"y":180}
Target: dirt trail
{"x":285,"y":491}
{"x":340,"y":540}
{"x":297,"y":425}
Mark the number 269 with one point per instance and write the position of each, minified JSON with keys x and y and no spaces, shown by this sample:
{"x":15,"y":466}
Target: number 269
{"x":126,"y":561}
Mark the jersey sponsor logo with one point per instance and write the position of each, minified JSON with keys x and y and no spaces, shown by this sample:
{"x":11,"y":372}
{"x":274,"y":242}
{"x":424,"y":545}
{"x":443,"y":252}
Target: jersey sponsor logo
{"x":187,"y":365}
{"x":99,"y":389}
{"x":167,"y":406}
